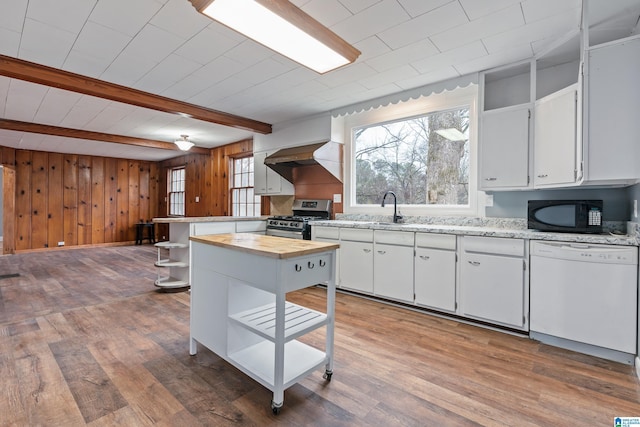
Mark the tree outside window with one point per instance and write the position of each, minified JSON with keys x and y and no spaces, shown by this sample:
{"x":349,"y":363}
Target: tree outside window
{"x":243,"y":200}
{"x":423,"y":159}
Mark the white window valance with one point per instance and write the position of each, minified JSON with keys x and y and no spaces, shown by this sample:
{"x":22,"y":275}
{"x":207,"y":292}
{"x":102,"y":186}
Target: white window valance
{"x":439,"y":87}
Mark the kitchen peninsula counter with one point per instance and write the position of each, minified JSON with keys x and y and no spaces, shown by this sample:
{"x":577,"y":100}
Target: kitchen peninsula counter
{"x":239,"y":310}
{"x":189,"y":219}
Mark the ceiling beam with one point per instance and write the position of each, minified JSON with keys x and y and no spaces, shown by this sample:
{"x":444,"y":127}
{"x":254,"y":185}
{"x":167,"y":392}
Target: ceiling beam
{"x":19,"y":126}
{"x":48,"y":76}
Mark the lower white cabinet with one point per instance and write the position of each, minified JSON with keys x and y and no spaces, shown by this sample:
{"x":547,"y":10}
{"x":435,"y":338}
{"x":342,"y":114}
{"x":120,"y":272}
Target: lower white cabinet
{"x":493,"y":280}
{"x":356,"y":259}
{"x":393,"y":265}
{"x":435,"y":271}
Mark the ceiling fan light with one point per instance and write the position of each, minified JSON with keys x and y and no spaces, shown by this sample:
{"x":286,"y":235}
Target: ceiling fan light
{"x":286,"y":29}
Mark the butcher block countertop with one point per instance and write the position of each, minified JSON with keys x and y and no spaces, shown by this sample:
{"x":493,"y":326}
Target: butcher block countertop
{"x":269,"y":246}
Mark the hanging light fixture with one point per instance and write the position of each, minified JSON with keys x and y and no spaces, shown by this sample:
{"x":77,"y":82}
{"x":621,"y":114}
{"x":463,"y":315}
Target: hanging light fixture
{"x":284,"y":28}
{"x":184,"y":144}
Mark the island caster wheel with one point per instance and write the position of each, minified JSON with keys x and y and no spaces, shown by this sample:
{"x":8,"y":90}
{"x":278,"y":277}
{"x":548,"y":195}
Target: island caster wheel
{"x":276,"y":408}
{"x":327,"y":375}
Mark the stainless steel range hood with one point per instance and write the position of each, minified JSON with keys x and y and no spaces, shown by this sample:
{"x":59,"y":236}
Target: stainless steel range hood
{"x":327,"y":154}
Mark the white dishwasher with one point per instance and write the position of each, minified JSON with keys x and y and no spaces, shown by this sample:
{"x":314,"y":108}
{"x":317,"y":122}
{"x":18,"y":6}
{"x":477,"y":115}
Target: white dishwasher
{"x":584,"y":297}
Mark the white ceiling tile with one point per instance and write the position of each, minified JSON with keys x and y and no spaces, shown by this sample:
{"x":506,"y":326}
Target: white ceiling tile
{"x":125,"y":16}
{"x":212,"y":96}
{"x":191,"y":22}
{"x":10,"y":138}
{"x":513,"y":54}
{"x":375,"y":19}
{"x":425,"y":25}
{"x":418,"y":7}
{"x":538,"y":30}
{"x":535,"y":10}
{"x":84,"y":111}
{"x":153,"y":43}
{"x":218,"y":70}
{"x":67,"y":15}
{"x":185,"y":88}
{"x":346,"y":74}
{"x":207,"y":45}
{"x":23,"y":100}
{"x":9,"y":42}
{"x":327,"y":12}
{"x":4,"y":93}
{"x":370,"y":48}
{"x":107,"y":118}
{"x":45,"y":44}
{"x":452,"y":57}
{"x":262,"y":71}
{"x":86,"y":65}
{"x":165,"y":74}
{"x":13,"y":14}
{"x":438,"y":75}
{"x":496,"y":23}
{"x":407,"y":54}
{"x":127,"y":69}
{"x":389,"y":76}
{"x":55,"y":106}
{"x":101,"y":42}
{"x":477,"y":9}
{"x":248,"y":53}
{"x":357,"y":6}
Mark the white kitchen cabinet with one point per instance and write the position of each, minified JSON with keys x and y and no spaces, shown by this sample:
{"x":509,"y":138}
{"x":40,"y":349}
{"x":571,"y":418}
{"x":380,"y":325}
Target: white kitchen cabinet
{"x":555,"y":148}
{"x":356,"y":259}
{"x":493,"y":282}
{"x":504,"y":154}
{"x":266,"y":181}
{"x":435,"y":271}
{"x":329,"y":235}
{"x":612,"y":102}
{"x":505,"y":131}
{"x":393,"y":265}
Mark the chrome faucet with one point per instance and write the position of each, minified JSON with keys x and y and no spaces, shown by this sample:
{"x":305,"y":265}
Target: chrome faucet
{"x":396,"y":216}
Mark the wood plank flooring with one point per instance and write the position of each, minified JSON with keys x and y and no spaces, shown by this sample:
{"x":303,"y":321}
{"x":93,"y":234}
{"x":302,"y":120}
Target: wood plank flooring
{"x":85,"y":339}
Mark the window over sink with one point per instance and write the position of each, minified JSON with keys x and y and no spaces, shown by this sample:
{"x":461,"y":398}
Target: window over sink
{"x":424,"y":150}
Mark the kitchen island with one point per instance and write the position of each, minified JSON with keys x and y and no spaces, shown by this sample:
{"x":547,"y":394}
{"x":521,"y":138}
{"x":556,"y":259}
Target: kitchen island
{"x":239,"y":283}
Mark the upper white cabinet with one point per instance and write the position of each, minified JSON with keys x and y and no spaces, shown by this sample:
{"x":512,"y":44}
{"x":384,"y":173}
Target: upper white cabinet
{"x":555,"y":147}
{"x":505,"y":130}
{"x":266,"y":181}
{"x":612,"y":102}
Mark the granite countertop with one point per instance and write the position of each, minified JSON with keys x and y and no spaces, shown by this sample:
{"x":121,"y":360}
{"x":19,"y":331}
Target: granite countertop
{"x":190,"y":219}
{"x":269,"y":246}
{"x":489,"y":227}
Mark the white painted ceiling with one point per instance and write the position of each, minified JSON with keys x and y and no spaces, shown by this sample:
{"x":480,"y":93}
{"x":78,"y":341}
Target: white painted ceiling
{"x":167,"y":48}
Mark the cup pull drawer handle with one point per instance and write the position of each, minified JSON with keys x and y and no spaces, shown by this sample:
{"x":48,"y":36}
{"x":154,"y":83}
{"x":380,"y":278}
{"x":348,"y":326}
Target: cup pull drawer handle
{"x":298,"y":267}
{"x":367,"y":250}
{"x":310,"y":265}
{"x":382,"y":252}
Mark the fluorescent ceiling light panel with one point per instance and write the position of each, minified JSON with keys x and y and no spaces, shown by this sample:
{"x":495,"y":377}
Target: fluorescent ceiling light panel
{"x":284,"y":28}
{"x":452,"y":134}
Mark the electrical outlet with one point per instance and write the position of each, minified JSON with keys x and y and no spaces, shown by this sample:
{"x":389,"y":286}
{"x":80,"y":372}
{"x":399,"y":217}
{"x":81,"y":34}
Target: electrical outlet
{"x":337,"y":198}
{"x":197,"y":199}
{"x":60,"y":243}
{"x":488,"y":200}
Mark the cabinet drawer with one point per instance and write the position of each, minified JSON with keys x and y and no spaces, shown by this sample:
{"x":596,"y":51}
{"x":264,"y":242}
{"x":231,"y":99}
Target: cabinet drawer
{"x":436,"y":241}
{"x":356,"y":235}
{"x":403,"y":238}
{"x":325,"y":232}
{"x":494,"y":245}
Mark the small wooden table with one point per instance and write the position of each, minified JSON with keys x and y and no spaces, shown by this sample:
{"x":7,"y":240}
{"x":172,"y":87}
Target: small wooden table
{"x":239,"y":311}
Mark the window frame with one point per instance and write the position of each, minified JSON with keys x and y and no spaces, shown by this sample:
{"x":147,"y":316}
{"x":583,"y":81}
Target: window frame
{"x":170,"y":186}
{"x":232,"y":179}
{"x":446,"y":100}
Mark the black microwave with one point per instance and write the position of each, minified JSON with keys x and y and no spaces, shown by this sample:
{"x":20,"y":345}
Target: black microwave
{"x":565,"y":216}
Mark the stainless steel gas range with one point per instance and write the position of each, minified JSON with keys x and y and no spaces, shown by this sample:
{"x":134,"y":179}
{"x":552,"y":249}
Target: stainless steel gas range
{"x":297,"y":225}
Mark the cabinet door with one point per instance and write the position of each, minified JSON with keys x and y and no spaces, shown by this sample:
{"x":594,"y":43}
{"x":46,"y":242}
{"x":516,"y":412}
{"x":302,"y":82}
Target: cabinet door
{"x":504,"y":148}
{"x":393,"y":272}
{"x":260,"y":173}
{"x":555,"y":141}
{"x":435,"y":278}
{"x":266,"y":180}
{"x":356,"y":266}
{"x":492,"y":288}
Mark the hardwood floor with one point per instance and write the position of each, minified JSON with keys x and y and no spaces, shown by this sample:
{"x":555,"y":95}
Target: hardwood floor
{"x":85,"y":339}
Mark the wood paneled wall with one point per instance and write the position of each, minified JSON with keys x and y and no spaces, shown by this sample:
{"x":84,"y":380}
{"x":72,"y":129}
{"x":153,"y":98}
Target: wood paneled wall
{"x":78,"y":199}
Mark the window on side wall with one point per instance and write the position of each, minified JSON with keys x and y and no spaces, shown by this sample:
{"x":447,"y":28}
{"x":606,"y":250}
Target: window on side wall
{"x":423,"y":151}
{"x":176,"y":190}
{"x":243,"y":200}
